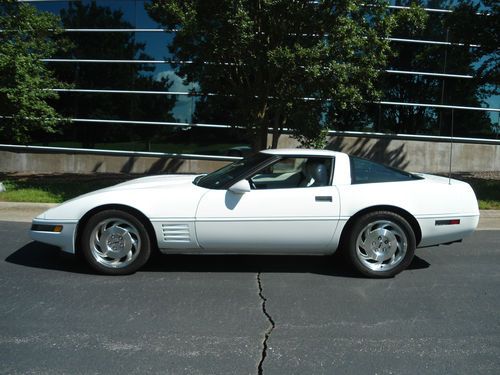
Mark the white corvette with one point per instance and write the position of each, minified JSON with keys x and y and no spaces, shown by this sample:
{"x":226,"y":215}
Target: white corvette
{"x":288,"y":201}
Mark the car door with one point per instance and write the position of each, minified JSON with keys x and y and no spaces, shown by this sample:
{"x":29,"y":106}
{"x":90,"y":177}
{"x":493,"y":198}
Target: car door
{"x":280,"y":214}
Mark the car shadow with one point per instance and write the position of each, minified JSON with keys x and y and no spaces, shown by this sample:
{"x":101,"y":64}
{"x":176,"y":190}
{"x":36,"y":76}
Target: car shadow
{"x":38,"y":255}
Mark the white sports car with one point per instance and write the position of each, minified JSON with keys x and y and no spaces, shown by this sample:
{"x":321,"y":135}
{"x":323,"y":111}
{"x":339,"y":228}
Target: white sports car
{"x":285,"y":201}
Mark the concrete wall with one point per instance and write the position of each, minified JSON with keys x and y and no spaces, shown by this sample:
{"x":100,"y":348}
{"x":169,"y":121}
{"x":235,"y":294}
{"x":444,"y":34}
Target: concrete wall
{"x":411,"y":155}
{"x":31,"y":162}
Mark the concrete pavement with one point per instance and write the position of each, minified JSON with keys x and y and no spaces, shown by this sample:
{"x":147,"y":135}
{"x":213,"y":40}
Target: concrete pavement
{"x":24,"y":212}
{"x":489,"y":220}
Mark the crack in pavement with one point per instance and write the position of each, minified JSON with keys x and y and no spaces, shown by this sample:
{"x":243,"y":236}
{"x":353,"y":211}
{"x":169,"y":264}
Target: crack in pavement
{"x":267,"y":334}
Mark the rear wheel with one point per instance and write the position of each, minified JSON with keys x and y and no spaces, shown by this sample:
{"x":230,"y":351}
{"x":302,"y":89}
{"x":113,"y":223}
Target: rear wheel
{"x":381,"y":244}
{"x":115,"y":242}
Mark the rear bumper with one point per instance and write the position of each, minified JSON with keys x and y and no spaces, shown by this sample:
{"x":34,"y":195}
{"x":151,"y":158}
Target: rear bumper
{"x":65,"y":239}
{"x":435,"y":233}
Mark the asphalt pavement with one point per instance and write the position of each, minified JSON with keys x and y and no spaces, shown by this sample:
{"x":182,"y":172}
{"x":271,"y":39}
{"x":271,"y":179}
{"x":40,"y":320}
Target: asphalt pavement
{"x":245,"y":314}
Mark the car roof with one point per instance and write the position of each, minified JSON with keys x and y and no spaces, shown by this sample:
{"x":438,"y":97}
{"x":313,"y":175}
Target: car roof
{"x":301,"y":152}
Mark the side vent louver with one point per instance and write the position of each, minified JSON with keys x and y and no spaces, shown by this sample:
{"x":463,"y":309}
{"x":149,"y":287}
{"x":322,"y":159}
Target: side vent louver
{"x":176,"y":233}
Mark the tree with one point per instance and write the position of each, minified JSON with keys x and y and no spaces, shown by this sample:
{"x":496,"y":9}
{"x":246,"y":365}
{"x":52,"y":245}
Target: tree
{"x":279,"y":64}
{"x":25,"y":81}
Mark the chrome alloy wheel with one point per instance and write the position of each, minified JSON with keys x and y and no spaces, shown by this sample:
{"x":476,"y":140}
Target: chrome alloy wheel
{"x":381,"y":245}
{"x":115,"y":243}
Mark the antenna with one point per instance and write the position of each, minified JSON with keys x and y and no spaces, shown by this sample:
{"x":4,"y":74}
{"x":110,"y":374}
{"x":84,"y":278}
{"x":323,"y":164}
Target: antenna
{"x":451,"y":148}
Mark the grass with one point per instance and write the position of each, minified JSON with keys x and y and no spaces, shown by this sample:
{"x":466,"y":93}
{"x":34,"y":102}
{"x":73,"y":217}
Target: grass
{"x":488,"y":204}
{"x":488,"y":193}
{"x":486,"y":185}
{"x":28,"y":195}
{"x":53,"y":189}
{"x":59,"y":188}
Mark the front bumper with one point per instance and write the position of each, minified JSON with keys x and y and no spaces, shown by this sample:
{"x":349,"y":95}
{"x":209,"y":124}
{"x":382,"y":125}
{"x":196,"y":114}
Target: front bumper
{"x":65,"y":239}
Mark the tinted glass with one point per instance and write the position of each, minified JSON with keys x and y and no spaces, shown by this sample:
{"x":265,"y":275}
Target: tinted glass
{"x":232,"y":172}
{"x":294,"y":173}
{"x":435,"y":30}
{"x":138,"y":107}
{"x":398,"y":119}
{"x":99,"y":45}
{"x":120,"y":76}
{"x":155,"y":44}
{"x":142,"y":18}
{"x":444,"y":4}
{"x":364,"y":171}
{"x":130,"y":137}
{"x":97,"y":14}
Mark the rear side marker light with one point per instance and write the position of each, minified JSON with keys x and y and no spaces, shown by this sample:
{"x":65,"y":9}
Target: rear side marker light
{"x":448,"y":222}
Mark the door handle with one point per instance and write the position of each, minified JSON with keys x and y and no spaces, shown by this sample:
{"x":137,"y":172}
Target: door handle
{"x":323,"y":198}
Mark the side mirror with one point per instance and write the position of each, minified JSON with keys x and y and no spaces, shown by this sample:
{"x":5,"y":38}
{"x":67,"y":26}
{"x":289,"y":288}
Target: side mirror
{"x":241,"y":187}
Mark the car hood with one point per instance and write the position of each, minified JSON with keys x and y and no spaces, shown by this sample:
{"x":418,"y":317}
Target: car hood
{"x":154,"y":182}
{"x":150,"y":182}
{"x":149,"y":195}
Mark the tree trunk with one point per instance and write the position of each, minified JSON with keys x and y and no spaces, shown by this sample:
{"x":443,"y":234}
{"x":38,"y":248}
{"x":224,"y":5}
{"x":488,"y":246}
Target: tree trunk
{"x":276,"y":137}
{"x":259,"y":140}
{"x":277,"y":123}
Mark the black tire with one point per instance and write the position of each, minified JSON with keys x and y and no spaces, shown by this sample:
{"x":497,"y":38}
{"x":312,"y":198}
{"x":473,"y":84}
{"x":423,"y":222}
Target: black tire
{"x":380,"y":244}
{"x":115,"y":242}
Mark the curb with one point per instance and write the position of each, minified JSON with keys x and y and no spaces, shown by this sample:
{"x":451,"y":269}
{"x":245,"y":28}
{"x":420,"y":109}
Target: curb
{"x":24,"y":212}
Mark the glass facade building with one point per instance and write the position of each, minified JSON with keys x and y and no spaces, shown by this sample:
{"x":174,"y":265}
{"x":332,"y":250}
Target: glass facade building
{"x":126,"y":94}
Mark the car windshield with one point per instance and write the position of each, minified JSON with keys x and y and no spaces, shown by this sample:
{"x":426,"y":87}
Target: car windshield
{"x":232,"y":172}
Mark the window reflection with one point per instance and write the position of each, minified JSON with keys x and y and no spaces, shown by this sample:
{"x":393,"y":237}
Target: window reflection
{"x":438,"y":4}
{"x":120,"y":76}
{"x":435,"y":29}
{"x":117,"y":106}
{"x":399,"y":119}
{"x":142,"y":18}
{"x":154,"y":138}
{"x":54,"y":7}
{"x":123,"y":9}
{"x":479,"y":91}
{"x":155,"y":44}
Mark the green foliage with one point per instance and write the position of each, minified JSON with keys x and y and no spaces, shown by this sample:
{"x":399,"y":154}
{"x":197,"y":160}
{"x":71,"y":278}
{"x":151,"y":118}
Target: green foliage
{"x":264,"y":57}
{"x":54,"y":189}
{"x":25,"y":81}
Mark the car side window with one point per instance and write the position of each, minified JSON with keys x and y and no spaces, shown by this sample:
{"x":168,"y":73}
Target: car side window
{"x":365,"y":171}
{"x":297,"y":172}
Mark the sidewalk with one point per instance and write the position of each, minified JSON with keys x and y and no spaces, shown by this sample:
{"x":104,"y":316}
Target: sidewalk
{"x":489,"y":220}
{"x":24,"y":212}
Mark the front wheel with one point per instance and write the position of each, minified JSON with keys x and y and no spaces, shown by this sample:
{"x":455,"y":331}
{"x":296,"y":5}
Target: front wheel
{"x":115,"y":242}
{"x":381,"y":244}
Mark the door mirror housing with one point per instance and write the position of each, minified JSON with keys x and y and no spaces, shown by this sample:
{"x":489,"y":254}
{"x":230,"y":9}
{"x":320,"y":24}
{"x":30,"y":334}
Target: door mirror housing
{"x":241,"y":187}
